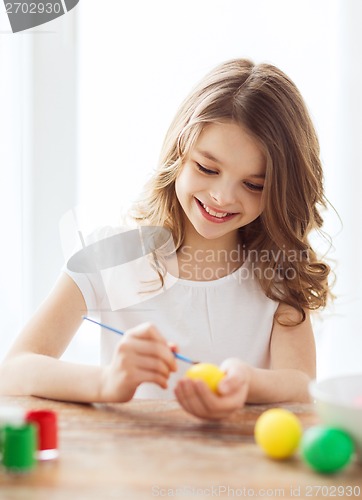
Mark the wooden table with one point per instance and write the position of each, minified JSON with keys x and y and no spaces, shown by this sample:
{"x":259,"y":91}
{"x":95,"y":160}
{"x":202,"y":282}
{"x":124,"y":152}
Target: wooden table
{"x":153,"y":449}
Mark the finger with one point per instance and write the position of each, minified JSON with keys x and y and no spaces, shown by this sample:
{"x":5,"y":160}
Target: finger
{"x":191,"y":399}
{"x":211,"y":402}
{"x":216,"y":406}
{"x":147,"y":331}
{"x":233,"y":399}
{"x":152,"y":364}
{"x":229,"y":385}
{"x":182,"y":391}
{"x":237,"y":375}
{"x":173,"y":347}
{"x":229,"y":363}
{"x":142,"y":375}
{"x":150,"y":348}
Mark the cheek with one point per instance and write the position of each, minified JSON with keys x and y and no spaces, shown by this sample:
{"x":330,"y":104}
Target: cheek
{"x":256,"y":205}
{"x":178,"y":186}
{"x":181,"y":186}
{"x":259,"y":208}
{"x":186,"y":183}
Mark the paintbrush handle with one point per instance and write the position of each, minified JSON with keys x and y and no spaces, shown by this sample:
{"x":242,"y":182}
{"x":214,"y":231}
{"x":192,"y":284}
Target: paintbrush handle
{"x":184,"y":358}
{"x":104,"y":326}
{"x":176,"y":354}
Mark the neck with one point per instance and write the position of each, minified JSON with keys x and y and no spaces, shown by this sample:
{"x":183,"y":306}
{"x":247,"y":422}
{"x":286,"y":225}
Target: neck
{"x":195,"y":241}
{"x":202,"y":259}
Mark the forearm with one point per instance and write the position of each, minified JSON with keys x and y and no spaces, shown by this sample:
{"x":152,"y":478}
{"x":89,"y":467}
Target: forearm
{"x":30,"y":374}
{"x":278,"y":386}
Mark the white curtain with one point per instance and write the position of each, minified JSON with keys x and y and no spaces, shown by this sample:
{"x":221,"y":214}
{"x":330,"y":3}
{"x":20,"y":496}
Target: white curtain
{"x":37,"y":161}
{"x":14,"y":72}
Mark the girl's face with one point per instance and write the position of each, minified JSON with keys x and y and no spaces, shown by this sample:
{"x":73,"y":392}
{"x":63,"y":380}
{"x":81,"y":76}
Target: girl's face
{"x":221,"y":183}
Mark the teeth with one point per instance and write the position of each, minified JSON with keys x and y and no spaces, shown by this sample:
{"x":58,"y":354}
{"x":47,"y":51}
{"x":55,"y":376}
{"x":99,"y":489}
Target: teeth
{"x":220,"y":215}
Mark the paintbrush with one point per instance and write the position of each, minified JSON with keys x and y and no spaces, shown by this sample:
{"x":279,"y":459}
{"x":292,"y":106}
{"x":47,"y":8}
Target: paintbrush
{"x":176,"y":354}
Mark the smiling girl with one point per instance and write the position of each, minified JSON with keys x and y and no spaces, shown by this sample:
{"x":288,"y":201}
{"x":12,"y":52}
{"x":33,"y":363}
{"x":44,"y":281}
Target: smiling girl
{"x":239,"y":186}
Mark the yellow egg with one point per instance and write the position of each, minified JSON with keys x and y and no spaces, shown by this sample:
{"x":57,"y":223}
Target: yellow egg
{"x":278,"y":432}
{"x":209,"y":373}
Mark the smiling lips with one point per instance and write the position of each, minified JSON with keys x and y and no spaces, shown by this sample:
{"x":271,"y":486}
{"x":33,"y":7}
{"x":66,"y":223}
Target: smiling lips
{"x":212,"y":215}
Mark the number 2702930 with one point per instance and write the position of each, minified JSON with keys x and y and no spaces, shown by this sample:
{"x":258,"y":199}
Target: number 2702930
{"x":33,"y":8}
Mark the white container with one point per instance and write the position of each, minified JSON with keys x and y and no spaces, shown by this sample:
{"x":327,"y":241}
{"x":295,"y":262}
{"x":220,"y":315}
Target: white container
{"x":339,"y":404}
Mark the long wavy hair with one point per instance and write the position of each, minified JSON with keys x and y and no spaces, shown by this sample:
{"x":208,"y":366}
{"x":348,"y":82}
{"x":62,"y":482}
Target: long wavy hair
{"x":269,"y":106}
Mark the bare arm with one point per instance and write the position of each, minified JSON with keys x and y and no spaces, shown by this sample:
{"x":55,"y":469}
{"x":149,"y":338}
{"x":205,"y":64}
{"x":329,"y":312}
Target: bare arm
{"x":32,"y":366}
{"x":293,"y":364}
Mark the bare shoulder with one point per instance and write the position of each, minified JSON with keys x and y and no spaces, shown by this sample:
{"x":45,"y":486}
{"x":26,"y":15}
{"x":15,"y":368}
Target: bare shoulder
{"x":54,"y":323}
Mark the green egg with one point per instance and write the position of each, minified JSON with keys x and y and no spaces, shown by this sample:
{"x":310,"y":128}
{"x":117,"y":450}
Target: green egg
{"x":326,"y":449}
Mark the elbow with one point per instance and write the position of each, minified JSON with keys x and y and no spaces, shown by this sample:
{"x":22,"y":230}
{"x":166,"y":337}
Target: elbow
{"x":12,"y":381}
{"x":5,"y":379}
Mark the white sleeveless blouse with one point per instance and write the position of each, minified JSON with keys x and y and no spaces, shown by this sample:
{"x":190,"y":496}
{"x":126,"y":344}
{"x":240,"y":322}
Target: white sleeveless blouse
{"x":210,"y":321}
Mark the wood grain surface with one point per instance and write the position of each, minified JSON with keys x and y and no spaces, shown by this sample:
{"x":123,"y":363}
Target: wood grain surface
{"x":153,"y":449}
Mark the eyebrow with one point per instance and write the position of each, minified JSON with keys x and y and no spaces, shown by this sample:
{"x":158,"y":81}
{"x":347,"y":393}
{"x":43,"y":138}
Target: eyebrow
{"x":257,"y":176}
{"x":209,"y":156}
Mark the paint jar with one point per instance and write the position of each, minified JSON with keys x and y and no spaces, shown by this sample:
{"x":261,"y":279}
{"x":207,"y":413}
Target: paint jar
{"x":46,"y":422}
{"x":9,"y":415}
{"x":20,"y":444}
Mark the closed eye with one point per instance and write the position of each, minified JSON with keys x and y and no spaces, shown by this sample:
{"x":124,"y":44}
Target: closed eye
{"x":254,"y":187}
{"x":205,"y":170}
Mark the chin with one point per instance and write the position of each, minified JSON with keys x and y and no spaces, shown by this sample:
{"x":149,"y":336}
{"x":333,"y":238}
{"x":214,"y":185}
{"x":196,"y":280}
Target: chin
{"x":213,"y":235}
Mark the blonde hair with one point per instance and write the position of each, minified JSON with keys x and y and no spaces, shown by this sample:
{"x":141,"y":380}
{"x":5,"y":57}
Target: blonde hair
{"x":269,"y":106}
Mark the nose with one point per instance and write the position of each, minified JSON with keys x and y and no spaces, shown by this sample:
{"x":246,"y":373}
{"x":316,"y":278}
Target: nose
{"x":225,"y":194}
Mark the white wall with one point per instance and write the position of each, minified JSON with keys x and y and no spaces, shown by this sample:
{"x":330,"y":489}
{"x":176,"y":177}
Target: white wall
{"x":98,"y":88}
{"x":138,"y":61}
{"x":340,"y":341}
{"x":53,"y":174}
